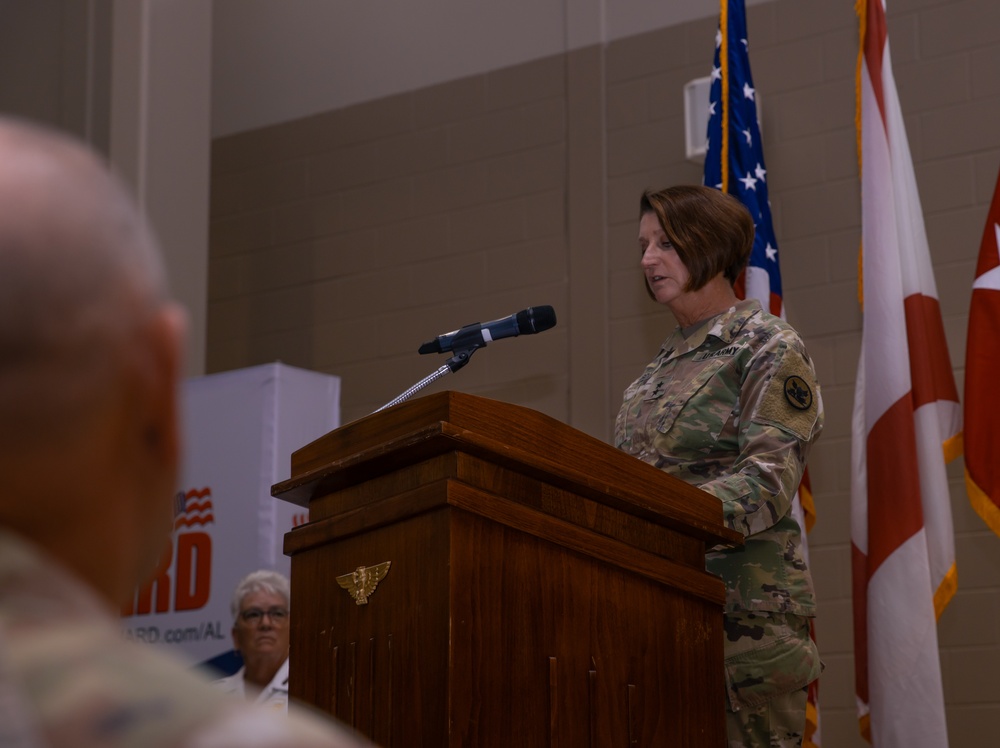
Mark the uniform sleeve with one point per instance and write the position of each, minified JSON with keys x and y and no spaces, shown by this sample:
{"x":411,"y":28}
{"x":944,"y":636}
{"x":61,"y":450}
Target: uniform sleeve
{"x":780,"y":415}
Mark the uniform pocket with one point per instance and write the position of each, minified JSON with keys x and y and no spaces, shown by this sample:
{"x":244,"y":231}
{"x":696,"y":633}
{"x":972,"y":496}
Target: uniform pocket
{"x":785,"y":660}
{"x":696,"y":409}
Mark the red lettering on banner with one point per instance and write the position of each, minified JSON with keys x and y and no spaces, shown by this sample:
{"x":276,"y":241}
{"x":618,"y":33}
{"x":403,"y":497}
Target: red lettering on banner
{"x":192,"y":578}
{"x":160,"y":582}
{"x":188,"y":596}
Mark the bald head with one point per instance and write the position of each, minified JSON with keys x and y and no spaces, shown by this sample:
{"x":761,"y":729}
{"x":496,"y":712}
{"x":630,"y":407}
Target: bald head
{"x":89,"y":363}
{"x":79,"y":271}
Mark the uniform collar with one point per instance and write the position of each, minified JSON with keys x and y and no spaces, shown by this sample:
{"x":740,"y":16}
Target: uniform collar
{"x":724,"y":326}
{"x":29,"y":573}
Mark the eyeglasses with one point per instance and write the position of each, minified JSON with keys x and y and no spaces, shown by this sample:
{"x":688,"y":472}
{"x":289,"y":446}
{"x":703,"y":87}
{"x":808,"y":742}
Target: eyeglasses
{"x":254,"y":616}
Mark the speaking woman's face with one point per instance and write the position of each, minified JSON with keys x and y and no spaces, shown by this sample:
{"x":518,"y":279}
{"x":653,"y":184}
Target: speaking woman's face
{"x":666,"y":276}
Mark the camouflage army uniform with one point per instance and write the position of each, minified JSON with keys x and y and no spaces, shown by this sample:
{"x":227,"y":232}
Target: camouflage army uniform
{"x":71,"y":679}
{"x":732,"y":407}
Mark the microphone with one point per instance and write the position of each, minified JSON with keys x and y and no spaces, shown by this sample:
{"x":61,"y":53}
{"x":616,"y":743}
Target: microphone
{"x":526,"y":322}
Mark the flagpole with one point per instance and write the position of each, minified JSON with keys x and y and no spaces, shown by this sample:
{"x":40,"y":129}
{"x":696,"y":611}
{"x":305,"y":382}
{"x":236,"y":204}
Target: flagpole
{"x":724,"y":68}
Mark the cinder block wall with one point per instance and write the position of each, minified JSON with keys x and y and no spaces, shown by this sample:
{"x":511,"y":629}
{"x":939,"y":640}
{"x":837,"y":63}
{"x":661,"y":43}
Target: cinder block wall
{"x":342,"y":241}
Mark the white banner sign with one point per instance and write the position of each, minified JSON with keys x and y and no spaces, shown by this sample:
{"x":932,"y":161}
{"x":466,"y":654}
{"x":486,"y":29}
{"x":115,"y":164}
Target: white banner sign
{"x":240,"y":430}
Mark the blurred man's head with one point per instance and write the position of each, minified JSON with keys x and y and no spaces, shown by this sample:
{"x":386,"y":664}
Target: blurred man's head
{"x":89,"y":364}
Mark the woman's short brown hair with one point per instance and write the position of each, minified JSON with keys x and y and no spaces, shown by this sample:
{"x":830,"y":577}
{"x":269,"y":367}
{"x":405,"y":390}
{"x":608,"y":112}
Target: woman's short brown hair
{"x":711,"y":231}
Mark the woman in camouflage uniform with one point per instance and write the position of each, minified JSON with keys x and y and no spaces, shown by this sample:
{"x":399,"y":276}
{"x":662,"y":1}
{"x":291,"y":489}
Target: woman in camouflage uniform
{"x":730,"y":404}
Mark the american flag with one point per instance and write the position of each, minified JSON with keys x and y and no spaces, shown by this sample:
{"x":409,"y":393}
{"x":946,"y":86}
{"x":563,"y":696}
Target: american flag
{"x":734,"y":163}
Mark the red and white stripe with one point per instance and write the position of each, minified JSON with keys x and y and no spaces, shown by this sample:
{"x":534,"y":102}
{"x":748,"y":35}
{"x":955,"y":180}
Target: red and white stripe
{"x":906,"y":416}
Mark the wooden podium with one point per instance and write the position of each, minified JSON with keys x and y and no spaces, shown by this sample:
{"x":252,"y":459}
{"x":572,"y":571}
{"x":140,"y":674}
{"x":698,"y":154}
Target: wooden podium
{"x":543,"y":588}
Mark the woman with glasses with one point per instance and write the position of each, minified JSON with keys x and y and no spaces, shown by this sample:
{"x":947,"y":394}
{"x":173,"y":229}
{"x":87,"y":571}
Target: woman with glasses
{"x":260,"y":634}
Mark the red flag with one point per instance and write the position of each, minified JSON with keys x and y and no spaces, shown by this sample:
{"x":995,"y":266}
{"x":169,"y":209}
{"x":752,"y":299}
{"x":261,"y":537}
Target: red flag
{"x":982,"y":359}
{"x":906,"y":418}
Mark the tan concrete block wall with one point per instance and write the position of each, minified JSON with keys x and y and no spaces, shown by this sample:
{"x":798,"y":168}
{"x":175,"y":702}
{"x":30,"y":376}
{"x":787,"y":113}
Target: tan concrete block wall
{"x":342,"y":241}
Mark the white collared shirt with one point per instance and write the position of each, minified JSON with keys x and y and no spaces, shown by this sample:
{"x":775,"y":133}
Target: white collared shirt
{"x":275,"y":694}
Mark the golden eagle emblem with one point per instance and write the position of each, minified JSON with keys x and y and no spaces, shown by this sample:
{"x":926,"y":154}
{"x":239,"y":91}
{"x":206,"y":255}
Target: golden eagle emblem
{"x":361,"y":582}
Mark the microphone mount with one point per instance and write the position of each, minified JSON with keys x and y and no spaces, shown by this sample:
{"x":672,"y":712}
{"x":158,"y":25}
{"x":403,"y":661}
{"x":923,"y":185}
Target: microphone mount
{"x":467,"y":340}
{"x":470,"y":343}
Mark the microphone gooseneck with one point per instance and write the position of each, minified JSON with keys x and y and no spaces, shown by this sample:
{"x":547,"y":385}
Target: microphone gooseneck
{"x":464,"y":342}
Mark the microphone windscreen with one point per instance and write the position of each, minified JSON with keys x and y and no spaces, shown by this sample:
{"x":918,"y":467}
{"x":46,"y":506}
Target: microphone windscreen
{"x":536,"y":319}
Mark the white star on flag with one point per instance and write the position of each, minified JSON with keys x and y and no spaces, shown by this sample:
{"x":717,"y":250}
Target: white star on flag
{"x":991,"y":278}
{"x":771,"y":252}
{"x":748,"y":92}
{"x":760,"y":171}
{"x":749,"y":182}
{"x":746,"y":134}
{"x":716,"y":74}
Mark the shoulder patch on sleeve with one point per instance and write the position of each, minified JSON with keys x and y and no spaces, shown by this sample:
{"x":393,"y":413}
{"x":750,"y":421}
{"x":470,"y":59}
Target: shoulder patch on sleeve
{"x":790,"y":399}
{"x":798,"y":393}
